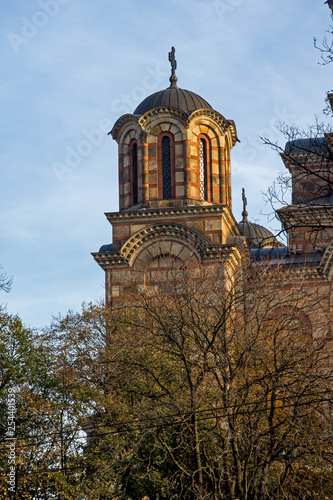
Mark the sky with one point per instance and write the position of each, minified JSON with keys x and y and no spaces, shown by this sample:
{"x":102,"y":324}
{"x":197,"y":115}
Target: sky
{"x":71,"y":68}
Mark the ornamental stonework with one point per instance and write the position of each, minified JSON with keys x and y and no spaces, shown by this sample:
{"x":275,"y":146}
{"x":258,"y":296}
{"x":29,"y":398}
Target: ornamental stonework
{"x":175,"y":204}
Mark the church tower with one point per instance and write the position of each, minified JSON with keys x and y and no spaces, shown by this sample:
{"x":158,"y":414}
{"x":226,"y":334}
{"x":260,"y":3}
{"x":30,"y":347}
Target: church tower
{"x":174,"y":189}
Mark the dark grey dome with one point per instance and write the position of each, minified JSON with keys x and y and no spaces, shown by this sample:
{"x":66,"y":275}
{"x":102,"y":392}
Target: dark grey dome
{"x":173,"y":97}
{"x":258,"y":236}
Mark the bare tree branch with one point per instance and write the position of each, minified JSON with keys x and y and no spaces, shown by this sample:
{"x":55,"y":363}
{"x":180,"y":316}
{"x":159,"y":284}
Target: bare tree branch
{"x":5,"y":281}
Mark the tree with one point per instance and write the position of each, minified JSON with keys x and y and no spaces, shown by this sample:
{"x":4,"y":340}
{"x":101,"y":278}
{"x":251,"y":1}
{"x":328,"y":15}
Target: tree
{"x":326,"y":47}
{"x":16,"y":343}
{"x":308,"y":158}
{"x":15,"y":348}
{"x":206,"y":386}
{"x":5,"y":281}
{"x":38,"y":417}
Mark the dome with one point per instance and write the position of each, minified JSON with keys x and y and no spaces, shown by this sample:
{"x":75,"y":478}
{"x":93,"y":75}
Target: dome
{"x":174,"y":97}
{"x":258,"y":236}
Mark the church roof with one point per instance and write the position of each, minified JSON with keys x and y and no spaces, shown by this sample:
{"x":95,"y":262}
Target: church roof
{"x":174,"y":97}
{"x":258,"y":236}
{"x":306,"y":145}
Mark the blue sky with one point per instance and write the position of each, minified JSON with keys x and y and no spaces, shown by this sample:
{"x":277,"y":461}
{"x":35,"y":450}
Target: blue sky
{"x":70,"y":68}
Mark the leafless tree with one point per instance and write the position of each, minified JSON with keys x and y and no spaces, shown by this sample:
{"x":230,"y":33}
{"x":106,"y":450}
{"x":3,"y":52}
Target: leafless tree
{"x":326,"y":47}
{"x":5,"y":281}
{"x":207,"y":386}
{"x":308,"y":156}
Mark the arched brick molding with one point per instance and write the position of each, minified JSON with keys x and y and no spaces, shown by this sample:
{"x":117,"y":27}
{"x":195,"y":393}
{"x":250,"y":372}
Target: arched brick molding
{"x":154,"y":253}
{"x":314,"y":321}
{"x":325,"y":267}
{"x":293,"y":313}
{"x":216,"y":121}
{"x":159,"y":115}
{"x":164,"y":232}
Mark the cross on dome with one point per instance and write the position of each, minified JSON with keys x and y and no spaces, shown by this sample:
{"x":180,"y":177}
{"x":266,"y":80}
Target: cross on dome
{"x":172,"y":59}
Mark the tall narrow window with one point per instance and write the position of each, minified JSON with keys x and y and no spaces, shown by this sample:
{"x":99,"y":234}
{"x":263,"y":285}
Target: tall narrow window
{"x":203,"y":170}
{"x":166,"y":168}
{"x":134,"y":161}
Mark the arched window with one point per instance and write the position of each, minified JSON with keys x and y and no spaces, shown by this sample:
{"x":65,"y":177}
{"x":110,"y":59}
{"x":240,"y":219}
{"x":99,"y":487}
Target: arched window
{"x":166,"y":167}
{"x":134,"y":173}
{"x":204,"y":170}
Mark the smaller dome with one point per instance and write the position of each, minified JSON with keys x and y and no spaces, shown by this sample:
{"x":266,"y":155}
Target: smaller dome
{"x":258,"y":236}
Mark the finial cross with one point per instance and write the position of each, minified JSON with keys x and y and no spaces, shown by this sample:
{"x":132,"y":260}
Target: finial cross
{"x":173,"y":61}
{"x":244,"y":199}
{"x":244,"y":213}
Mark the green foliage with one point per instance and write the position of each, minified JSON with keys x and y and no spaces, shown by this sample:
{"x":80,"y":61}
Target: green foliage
{"x":16,"y":346}
{"x":48,"y":455}
{"x":197,"y":396}
{"x":194,"y":389}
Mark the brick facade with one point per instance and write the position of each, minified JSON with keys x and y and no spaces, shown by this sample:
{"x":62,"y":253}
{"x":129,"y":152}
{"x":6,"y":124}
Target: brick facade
{"x":193,"y":222}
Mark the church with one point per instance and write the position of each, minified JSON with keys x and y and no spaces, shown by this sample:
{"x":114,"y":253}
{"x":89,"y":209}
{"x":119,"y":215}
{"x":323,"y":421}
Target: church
{"x":175,"y":199}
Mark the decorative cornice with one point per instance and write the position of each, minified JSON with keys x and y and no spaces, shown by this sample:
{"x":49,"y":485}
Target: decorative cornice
{"x":223,"y":123}
{"x":233,"y":132}
{"x":115,"y":132}
{"x":312,"y":216}
{"x":163,"y":213}
{"x":145,"y":119}
{"x":106,"y":260}
{"x":165,"y":232}
{"x":293,"y":272}
{"x":153,"y":213}
{"x":210,"y":254}
{"x":309,"y":273}
{"x":305,"y":160}
{"x":223,"y":253}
